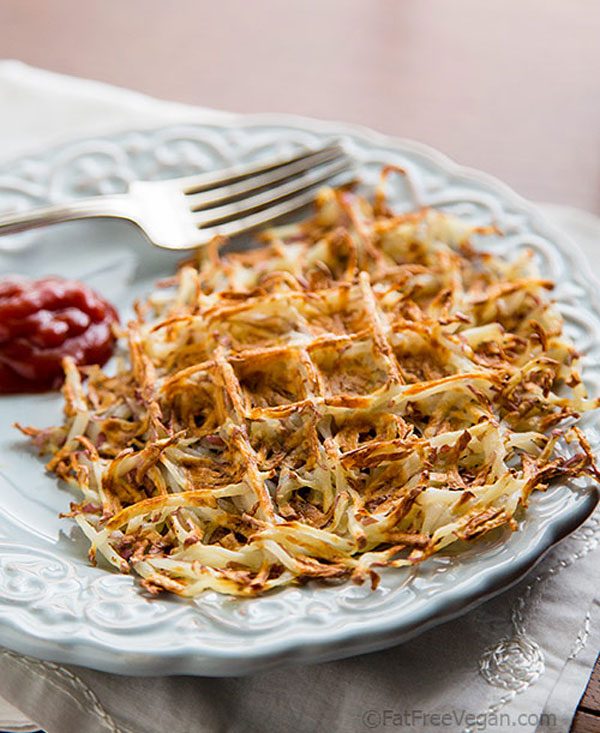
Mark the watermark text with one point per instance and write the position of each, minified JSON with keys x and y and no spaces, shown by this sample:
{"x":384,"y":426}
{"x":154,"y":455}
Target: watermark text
{"x":452,"y":719}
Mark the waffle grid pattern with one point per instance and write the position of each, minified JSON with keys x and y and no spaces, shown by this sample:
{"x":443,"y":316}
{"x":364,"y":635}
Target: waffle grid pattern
{"x":361,"y":392}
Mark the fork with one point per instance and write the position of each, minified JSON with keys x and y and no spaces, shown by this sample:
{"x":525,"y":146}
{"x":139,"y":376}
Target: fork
{"x":183,"y":213}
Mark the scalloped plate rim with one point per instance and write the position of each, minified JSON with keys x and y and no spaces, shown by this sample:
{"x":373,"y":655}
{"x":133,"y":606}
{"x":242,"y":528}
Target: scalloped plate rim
{"x":390,"y":631}
{"x":185,"y":660}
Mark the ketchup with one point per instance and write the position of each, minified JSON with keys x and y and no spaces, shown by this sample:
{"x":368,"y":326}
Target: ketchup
{"x":42,"y":321}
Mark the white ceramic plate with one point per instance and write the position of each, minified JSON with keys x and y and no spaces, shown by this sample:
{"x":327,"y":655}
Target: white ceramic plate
{"x":54,"y":605}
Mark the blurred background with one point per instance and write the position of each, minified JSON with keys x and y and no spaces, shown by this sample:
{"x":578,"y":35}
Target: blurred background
{"x":509,"y":86}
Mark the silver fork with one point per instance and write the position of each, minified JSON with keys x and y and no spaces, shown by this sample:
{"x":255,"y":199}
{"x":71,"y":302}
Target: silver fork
{"x":183,"y":213}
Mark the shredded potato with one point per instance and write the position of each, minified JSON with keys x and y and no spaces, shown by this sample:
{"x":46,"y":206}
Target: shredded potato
{"x":360,"y":392}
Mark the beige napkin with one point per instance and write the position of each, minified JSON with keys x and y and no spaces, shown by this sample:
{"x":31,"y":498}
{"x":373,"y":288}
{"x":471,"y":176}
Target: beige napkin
{"x":520,"y":661}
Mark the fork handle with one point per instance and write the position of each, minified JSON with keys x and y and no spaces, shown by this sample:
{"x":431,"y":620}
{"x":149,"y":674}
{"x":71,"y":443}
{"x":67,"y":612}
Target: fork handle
{"x":118,"y":206}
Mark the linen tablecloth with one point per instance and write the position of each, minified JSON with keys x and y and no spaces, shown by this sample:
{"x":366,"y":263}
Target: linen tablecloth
{"x":519,"y":661}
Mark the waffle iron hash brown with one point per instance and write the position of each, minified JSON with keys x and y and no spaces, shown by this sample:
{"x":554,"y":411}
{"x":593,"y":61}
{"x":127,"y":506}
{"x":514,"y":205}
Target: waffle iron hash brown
{"x":362,"y":391}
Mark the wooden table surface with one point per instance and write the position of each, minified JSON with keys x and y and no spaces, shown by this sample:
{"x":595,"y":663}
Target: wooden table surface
{"x":509,"y":86}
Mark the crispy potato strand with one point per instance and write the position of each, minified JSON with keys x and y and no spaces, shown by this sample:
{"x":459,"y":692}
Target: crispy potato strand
{"x":362,"y":391}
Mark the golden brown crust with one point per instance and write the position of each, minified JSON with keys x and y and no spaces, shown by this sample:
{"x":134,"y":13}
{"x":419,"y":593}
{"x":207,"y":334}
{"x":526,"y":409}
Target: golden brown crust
{"x":362,"y":391}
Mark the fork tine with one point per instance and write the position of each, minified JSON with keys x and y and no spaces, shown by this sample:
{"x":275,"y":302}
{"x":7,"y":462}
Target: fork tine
{"x":208,"y":197}
{"x":261,"y":217}
{"x":308,"y":179}
{"x":211,"y":179}
{"x":257,"y":219}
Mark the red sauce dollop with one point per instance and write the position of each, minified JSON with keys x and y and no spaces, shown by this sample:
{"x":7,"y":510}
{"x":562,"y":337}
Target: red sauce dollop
{"x":42,"y":321}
